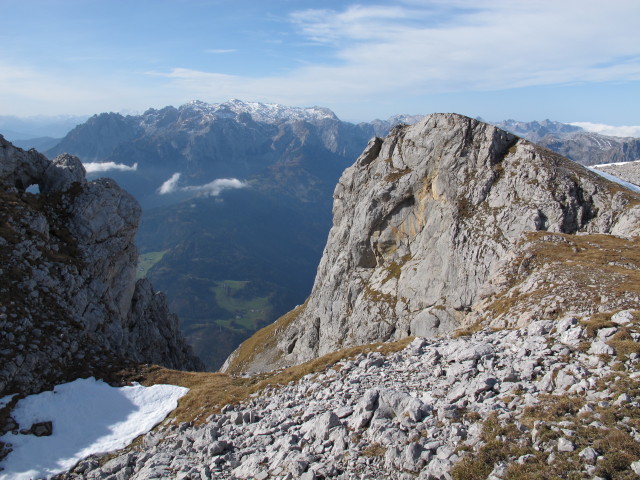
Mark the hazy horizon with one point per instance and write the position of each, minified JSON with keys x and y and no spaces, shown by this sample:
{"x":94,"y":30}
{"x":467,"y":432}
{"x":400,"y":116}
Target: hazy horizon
{"x":568,"y":61}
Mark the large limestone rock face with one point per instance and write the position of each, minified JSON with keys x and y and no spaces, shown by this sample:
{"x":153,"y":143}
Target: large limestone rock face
{"x":69,"y":301}
{"x":421,"y":220}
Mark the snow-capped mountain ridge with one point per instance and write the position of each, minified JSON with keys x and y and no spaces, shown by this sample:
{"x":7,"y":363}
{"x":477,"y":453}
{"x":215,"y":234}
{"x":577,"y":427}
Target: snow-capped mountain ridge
{"x":259,"y":112}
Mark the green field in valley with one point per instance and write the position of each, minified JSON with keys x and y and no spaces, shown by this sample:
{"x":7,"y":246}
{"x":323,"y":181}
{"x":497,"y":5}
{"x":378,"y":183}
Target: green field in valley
{"x":148,"y":260}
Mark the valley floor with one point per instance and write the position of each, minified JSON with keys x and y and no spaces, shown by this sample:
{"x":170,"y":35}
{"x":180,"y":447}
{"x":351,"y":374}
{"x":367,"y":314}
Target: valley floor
{"x":557,"y":399}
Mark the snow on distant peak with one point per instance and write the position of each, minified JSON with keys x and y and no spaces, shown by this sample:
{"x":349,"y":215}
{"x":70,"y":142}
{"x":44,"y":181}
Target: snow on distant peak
{"x":260,"y":112}
{"x":89,"y":417}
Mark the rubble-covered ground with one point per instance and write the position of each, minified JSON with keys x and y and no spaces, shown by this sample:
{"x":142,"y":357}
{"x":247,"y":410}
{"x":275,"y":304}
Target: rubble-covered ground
{"x":556,"y":399}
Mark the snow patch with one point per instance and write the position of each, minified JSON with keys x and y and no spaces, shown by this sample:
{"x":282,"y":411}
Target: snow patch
{"x":89,"y":417}
{"x":4,"y":401}
{"x":613,"y":163}
{"x":615,"y":179}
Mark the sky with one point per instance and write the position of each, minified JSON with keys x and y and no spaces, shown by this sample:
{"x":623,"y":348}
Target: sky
{"x":566,"y":60}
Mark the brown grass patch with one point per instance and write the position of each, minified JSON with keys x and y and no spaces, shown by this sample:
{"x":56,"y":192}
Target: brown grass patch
{"x":553,"y":408}
{"x":596,"y":322}
{"x":581,"y":268}
{"x":478,"y":465}
{"x":468,"y":331}
{"x":393,"y":176}
{"x":264,"y":339}
{"x":373,"y":450}
{"x":209,"y":392}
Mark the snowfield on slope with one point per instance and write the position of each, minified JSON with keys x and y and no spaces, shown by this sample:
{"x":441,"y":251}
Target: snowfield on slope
{"x":615,"y":179}
{"x":89,"y":417}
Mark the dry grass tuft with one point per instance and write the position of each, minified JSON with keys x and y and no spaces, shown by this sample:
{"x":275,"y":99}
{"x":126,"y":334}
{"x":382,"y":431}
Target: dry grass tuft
{"x":578,"y":269}
{"x":468,"y":331}
{"x":209,"y":392}
{"x":373,"y":450}
{"x":596,"y":322}
{"x":498,"y":446}
{"x":393,"y":176}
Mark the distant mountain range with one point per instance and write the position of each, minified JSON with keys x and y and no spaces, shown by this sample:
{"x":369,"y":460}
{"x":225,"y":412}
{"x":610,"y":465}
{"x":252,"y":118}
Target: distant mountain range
{"x":237,"y":200}
{"x":586,"y":148}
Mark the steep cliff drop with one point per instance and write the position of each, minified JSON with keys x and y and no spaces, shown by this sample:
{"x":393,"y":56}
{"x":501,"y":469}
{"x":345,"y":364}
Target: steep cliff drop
{"x":70,"y":304}
{"x":429,"y":224}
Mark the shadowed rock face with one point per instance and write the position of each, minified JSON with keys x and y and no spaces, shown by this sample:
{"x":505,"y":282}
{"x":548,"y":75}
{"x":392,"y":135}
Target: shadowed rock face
{"x":70,"y":303}
{"x":422,"y":219}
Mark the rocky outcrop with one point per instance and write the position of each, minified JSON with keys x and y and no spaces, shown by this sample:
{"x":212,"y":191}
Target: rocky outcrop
{"x":69,"y":300}
{"x":421,"y":222}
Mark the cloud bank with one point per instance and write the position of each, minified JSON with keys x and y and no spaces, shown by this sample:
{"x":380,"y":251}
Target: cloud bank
{"x":98,"y":167}
{"x":613,"y":131}
{"x":211,"y":189}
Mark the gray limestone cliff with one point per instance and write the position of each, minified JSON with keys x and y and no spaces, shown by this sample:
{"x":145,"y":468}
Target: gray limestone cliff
{"x":70,"y":304}
{"x":423,"y":222}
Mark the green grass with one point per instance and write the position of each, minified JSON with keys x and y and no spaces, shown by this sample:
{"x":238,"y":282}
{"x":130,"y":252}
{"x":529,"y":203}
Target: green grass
{"x":146,"y":261}
{"x":247,"y":312}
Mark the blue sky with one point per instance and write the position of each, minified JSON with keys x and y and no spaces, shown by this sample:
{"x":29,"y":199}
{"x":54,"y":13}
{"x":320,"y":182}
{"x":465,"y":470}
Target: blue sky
{"x":565,"y":60}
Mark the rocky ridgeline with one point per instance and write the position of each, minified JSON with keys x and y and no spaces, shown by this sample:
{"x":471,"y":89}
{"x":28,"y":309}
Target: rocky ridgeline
{"x":589,"y":148}
{"x":586,"y":148}
{"x":558,"y":399}
{"x":423,"y":222}
{"x":69,"y":301}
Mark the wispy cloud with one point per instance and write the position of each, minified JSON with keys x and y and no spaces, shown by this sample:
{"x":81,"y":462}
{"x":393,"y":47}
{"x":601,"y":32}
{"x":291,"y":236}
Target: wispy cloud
{"x":169,"y":186}
{"x":357,"y":56}
{"x":221,"y":50}
{"x":97,"y":167}
{"x":611,"y":130}
{"x":439,"y":46}
{"x":211,"y":189}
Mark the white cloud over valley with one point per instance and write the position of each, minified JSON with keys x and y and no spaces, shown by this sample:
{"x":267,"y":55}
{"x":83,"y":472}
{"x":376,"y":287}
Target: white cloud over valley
{"x":99,"y":167}
{"x":211,"y":189}
{"x":611,"y":130}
